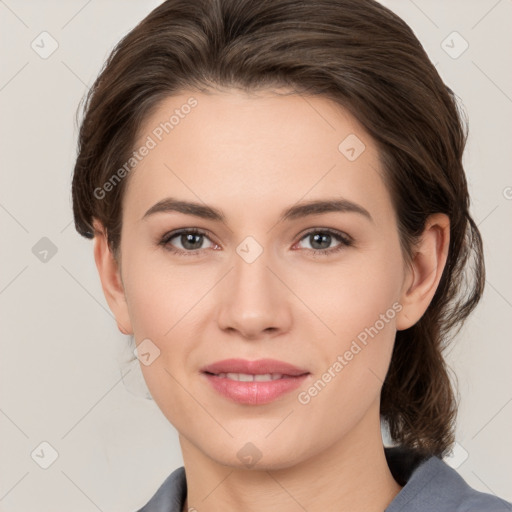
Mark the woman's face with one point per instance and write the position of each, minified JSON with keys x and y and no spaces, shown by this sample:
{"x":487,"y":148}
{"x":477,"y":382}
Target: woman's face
{"x":318,"y":288}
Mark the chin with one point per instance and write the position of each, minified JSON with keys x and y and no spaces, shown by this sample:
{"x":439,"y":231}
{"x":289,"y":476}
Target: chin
{"x":256,"y":457}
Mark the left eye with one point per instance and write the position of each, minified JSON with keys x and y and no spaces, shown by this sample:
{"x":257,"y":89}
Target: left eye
{"x":321,"y":240}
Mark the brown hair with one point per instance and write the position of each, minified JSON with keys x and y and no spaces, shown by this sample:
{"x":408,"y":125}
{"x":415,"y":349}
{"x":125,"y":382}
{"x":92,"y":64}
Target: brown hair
{"x":358,"y":54}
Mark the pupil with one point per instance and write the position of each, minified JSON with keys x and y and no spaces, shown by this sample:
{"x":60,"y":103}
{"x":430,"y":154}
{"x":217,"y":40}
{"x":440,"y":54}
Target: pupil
{"x":323,"y":239}
{"x":189,"y":240}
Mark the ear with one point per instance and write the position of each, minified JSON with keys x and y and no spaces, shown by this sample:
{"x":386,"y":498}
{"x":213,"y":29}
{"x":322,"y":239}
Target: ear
{"x":425,"y":270}
{"x":110,"y":276}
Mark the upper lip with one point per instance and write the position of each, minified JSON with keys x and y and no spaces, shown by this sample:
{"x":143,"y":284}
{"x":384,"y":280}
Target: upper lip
{"x":258,"y":367}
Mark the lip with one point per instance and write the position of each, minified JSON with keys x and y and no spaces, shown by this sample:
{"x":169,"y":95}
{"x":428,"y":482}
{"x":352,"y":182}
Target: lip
{"x":258,"y":367}
{"x":255,"y":392}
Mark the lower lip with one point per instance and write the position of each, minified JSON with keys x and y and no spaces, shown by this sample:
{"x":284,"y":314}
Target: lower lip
{"x":254,"y":393}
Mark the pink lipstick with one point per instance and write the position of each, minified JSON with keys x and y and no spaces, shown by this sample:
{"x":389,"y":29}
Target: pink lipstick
{"x":254,"y":382}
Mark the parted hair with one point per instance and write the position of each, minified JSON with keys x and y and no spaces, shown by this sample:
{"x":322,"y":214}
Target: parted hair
{"x":358,"y":54}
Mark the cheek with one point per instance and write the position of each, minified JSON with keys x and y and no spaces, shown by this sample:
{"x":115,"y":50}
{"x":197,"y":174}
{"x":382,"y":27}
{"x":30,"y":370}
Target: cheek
{"x":164,"y":304}
{"x":358,"y":301}
{"x":360,"y":307}
{"x":352,"y":295}
{"x":160,"y":293}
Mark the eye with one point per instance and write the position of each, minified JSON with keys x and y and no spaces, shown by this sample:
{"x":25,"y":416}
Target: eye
{"x":320,"y":241}
{"x":186,"y":241}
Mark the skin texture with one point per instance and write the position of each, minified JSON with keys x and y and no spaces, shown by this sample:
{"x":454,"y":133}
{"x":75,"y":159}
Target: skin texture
{"x":252,"y":156}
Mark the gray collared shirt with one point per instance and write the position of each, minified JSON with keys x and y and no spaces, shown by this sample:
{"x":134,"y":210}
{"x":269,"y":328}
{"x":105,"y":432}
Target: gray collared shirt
{"x":429,"y":485}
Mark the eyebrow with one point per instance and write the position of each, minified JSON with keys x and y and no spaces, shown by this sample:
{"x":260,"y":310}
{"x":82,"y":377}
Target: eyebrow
{"x":303,"y":209}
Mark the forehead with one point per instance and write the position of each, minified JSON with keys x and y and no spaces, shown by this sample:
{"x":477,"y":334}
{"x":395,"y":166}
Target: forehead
{"x":241,"y":149}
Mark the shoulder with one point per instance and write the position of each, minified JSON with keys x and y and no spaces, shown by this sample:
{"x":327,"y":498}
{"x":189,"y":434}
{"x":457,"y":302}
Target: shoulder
{"x":428,"y":484}
{"x":170,"y":496}
{"x":433,"y":485}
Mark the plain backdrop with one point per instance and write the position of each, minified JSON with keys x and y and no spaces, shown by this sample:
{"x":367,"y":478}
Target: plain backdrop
{"x":106,"y":446}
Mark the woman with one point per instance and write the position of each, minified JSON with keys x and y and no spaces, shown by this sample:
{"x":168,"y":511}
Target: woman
{"x":281,"y":220}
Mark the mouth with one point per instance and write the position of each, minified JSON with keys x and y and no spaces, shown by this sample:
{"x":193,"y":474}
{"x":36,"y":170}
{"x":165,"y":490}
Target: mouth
{"x":253,"y":382}
{"x":249,"y":377}
{"x":258,"y":367}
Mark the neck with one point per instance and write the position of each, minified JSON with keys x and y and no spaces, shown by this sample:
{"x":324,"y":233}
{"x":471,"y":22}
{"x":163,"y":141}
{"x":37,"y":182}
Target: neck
{"x":351,"y":475}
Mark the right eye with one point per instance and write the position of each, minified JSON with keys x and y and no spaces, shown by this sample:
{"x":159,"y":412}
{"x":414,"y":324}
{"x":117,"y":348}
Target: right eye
{"x":185,"y":241}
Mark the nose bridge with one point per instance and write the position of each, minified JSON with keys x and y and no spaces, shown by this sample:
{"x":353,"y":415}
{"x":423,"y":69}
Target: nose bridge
{"x":254,"y":300}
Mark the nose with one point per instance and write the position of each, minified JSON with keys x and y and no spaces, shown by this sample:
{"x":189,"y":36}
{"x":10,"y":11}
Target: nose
{"x":253,"y":301}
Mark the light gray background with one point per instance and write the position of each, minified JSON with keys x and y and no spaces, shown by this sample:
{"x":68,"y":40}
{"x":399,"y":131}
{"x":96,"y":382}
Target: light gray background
{"x":61,"y":354}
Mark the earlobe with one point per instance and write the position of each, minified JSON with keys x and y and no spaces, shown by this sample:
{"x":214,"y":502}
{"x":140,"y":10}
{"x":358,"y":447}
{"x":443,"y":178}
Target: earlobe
{"x":110,"y":277}
{"x":425,"y":270}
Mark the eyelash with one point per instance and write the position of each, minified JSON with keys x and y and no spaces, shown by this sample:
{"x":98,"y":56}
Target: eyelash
{"x":345,"y":241}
